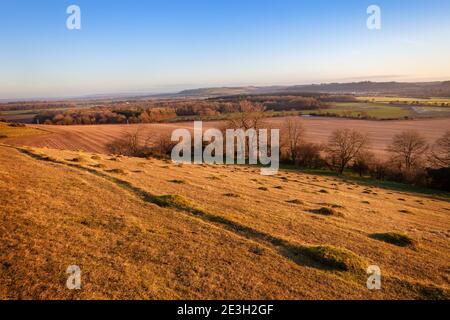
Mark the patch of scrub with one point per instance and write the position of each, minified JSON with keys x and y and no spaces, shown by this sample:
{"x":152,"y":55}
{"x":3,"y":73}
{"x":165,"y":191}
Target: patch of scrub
{"x":334,"y":257}
{"x":395,"y":238}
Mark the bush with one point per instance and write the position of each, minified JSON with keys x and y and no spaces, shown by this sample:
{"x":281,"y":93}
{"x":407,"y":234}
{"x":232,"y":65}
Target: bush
{"x":439,"y":178}
{"x":336,"y":258}
{"x":395,"y":238}
{"x":309,"y":156}
{"x":326,"y":212}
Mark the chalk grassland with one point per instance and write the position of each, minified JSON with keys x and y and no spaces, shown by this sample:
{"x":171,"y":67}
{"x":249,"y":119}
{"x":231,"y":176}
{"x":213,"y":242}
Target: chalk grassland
{"x":96,"y":138}
{"x":147,"y":229}
{"x":7,"y":131}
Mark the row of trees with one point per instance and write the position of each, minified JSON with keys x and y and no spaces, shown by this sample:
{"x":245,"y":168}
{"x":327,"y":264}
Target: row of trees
{"x":409,"y":157}
{"x":104,"y":116}
{"x":155,"y":111}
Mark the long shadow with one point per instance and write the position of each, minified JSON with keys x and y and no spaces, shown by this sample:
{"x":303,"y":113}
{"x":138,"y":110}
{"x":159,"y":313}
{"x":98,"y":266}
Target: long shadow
{"x":369,"y":182}
{"x":294,"y":252}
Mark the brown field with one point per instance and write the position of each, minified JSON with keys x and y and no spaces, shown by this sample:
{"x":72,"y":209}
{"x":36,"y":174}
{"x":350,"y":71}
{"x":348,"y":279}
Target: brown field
{"x":95,"y":138}
{"x":225,"y":232}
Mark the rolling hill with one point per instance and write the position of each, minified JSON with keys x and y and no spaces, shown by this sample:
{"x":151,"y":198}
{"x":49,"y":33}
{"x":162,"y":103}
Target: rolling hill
{"x":148,"y":229}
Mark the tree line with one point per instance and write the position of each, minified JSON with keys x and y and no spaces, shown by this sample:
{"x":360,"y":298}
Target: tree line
{"x":410,"y":158}
{"x":157,"y":111}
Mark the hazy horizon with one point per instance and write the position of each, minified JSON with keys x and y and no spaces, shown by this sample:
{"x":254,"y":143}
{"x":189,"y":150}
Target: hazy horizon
{"x":164,"y":47}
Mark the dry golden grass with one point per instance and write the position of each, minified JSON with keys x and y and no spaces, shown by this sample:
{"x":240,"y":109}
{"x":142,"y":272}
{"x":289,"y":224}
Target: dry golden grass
{"x":7,"y":131}
{"x":224,"y":233}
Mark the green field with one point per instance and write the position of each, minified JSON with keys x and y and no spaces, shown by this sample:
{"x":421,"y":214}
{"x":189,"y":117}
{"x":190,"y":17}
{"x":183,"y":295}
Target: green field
{"x":406,"y":100}
{"x":385,"y":108}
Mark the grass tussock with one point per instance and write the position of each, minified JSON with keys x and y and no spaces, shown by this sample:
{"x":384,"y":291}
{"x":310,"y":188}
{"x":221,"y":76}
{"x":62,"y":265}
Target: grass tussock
{"x":172,"y":201}
{"x":177,"y":181}
{"x":78,"y":159}
{"x":296,"y":201}
{"x":116,"y":171}
{"x":98,"y":165}
{"x":419,"y":290}
{"x":395,"y":238}
{"x":324,"y":211}
{"x":231,"y":195}
{"x":335,"y":258}
{"x":259,"y":251}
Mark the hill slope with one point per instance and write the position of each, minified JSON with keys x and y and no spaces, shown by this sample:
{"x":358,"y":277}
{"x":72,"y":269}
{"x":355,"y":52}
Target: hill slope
{"x":147,"y":229}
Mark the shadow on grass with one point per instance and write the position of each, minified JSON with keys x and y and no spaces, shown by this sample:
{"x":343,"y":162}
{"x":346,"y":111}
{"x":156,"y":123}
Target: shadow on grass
{"x":369,"y":182}
{"x":320,"y":257}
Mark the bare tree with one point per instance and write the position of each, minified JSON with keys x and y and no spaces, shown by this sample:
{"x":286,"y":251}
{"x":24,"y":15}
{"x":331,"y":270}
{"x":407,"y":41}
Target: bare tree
{"x":408,"y":149}
{"x":363,"y":162}
{"x":161,"y":148}
{"x":127,"y":145}
{"x":440,"y":154}
{"x":309,"y":155}
{"x":249,"y":116}
{"x":344,"y":146}
{"x":292,"y":138}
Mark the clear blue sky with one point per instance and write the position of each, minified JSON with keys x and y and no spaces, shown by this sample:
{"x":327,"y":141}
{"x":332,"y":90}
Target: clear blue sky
{"x":167,"y":45}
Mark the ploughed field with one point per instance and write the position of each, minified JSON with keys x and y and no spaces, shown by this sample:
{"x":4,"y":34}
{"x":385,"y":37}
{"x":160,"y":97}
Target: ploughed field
{"x":149,"y":229}
{"x":95,"y":138}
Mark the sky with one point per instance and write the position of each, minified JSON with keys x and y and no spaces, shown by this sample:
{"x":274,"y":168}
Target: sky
{"x":156,"y":46}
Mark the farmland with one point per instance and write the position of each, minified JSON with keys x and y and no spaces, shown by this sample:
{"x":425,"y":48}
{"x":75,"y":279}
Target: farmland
{"x":96,"y":138}
{"x":156,"y":230}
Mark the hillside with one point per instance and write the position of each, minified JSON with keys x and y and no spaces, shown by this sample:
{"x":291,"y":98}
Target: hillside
{"x":430,"y":89}
{"x":146,"y":229}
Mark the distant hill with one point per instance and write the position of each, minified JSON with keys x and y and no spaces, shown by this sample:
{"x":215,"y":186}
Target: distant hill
{"x":408,"y":89}
{"x":416,"y":89}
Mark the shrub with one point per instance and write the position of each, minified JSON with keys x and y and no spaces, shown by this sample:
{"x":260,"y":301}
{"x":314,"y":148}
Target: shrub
{"x":177,"y":181}
{"x":395,"y":238}
{"x":439,"y":178}
{"x":295,"y":201}
{"x":326,"y":212}
{"x":116,"y":171}
{"x":173,"y":201}
{"x":336,"y":258}
{"x":231,"y":195}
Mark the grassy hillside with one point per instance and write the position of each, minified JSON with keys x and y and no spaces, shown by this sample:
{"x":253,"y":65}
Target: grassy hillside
{"x":9,"y":131}
{"x":147,"y":229}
